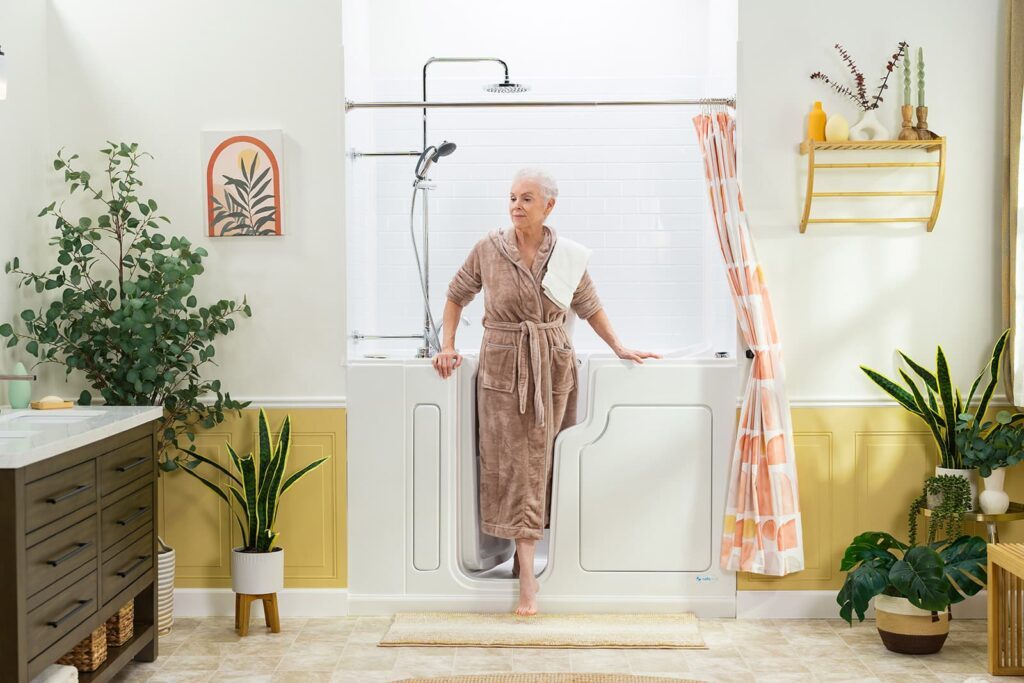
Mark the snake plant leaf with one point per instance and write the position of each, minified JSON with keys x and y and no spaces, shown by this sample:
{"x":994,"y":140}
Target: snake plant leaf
{"x":922,"y":372}
{"x":861,"y":584}
{"x":902,"y":396}
{"x":946,"y":394}
{"x":934,"y":406}
{"x":993,"y":368}
{"x":928,"y":416}
{"x":235,"y":460}
{"x":872,"y":546}
{"x":301,"y":473}
{"x":237,"y":495}
{"x":220,"y":492}
{"x":920,"y":579}
{"x":284,"y":443}
{"x":263,"y":450}
{"x":965,"y":566}
{"x":249,"y":489}
{"x":213,"y":463}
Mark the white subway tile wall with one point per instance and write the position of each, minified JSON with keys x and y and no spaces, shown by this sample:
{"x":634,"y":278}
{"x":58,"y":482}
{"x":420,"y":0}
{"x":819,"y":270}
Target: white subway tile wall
{"x":630,"y":187}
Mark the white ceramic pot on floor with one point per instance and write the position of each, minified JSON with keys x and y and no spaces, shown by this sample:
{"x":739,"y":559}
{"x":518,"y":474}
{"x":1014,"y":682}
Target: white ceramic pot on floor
{"x":257,"y":573}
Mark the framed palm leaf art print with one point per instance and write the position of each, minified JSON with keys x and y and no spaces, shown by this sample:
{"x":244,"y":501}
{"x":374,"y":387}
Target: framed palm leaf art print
{"x":243,"y":183}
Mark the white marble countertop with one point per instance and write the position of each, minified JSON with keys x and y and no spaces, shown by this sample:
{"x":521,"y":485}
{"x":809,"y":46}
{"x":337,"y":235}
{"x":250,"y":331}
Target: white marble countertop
{"x":28,"y":436}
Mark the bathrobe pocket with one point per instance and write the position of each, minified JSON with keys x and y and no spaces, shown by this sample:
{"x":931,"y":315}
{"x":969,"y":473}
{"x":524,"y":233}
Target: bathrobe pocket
{"x":499,"y":367}
{"x":563,"y":370}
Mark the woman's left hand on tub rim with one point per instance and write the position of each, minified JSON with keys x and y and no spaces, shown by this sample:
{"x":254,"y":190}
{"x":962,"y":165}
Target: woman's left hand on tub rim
{"x":446,"y":361}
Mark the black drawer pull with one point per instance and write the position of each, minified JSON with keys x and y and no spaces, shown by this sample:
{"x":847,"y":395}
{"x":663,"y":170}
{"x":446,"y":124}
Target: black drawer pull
{"x":133,"y":464}
{"x":81,"y":606}
{"x":68,"y":555}
{"x":73,"y":492}
{"x":125,"y":572}
{"x":132,"y":517}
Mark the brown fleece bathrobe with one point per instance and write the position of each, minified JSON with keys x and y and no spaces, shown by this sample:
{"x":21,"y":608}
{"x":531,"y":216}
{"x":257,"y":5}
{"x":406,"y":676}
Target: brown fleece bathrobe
{"x":527,"y":380}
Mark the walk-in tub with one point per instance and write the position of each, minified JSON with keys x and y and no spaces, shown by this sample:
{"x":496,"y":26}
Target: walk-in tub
{"x":637,"y":500}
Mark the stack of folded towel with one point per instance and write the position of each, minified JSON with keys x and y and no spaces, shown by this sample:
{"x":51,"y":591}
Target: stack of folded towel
{"x":57,"y":673}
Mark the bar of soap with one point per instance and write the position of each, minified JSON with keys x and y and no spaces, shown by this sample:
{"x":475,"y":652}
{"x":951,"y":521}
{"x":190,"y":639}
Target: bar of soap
{"x":51,"y":403}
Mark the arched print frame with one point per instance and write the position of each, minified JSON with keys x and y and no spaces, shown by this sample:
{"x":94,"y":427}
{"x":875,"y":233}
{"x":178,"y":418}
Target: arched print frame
{"x":243,"y":183}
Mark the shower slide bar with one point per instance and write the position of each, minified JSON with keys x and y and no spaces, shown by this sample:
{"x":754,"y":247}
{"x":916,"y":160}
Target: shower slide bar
{"x":349,"y":105}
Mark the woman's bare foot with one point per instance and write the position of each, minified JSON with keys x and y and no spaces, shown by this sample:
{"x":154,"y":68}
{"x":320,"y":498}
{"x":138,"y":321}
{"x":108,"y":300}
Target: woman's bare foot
{"x":528,"y":587}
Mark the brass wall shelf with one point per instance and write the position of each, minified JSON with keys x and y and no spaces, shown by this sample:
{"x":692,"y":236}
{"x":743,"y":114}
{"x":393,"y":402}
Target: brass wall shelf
{"x":810,"y":147}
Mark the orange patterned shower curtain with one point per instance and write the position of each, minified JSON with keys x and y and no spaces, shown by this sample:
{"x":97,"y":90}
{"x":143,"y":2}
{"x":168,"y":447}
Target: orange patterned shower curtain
{"x":762,"y":532}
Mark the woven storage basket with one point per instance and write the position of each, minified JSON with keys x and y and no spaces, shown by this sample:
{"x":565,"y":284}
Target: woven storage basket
{"x":89,"y":654}
{"x":121,"y":626}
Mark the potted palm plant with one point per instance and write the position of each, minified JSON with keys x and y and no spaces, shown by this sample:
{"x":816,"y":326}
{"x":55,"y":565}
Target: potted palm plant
{"x":940,"y":405}
{"x":253,"y":494}
{"x":913,"y":586}
{"x":991,"y":446}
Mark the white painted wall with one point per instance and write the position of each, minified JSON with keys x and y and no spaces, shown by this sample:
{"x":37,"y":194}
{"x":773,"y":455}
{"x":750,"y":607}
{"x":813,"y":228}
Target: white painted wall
{"x":846,"y":295}
{"x":23,"y":117}
{"x":160,"y":73}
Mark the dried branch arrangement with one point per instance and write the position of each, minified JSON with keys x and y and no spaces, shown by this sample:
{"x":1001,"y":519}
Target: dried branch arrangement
{"x":858,"y":93}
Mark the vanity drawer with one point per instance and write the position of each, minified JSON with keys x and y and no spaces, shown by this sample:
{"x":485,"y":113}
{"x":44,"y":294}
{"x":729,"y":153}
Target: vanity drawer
{"x":125,"y":465}
{"x":61,"y":613}
{"x":61,"y":554}
{"x":54,"y":496}
{"x":128,"y":565}
{"x":121,"y":518}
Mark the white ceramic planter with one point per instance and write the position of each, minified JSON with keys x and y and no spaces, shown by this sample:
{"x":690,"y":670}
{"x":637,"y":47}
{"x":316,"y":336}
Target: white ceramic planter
{"x":994,"y":500}
{"x":257,"y":573}
{"x":907,"y":629}
{"x":934,"y":500}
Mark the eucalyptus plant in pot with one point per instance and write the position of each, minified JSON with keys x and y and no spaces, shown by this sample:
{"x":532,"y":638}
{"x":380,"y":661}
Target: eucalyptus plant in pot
{"x":991,"y":447}
{"x":940,"y":405}
{"x":913,"y":586}
{"x":253,"y":494}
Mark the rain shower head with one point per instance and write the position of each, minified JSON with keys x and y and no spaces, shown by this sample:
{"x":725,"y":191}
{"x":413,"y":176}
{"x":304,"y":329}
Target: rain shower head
{"x":430,"y":155}
{"x":506,"y":87}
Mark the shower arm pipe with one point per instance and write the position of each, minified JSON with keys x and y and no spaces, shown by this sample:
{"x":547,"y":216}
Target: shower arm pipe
{"x":724,"y":101}
{"x":434,"y":60}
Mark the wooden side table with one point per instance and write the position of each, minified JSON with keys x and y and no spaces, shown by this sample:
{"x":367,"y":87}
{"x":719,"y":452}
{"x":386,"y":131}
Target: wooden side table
{"x":1005,"y":595}
{"x":1014,"y":513}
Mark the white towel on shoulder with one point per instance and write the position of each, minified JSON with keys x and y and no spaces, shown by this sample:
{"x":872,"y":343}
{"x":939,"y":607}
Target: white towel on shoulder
{"x":566,"y":266}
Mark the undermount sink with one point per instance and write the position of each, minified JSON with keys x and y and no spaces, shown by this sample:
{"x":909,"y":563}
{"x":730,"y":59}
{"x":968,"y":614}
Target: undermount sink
{"x":54,"y":418}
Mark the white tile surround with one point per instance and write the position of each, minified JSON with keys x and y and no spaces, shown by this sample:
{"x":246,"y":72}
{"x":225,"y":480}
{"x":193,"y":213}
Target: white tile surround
{"x":631,"y":188}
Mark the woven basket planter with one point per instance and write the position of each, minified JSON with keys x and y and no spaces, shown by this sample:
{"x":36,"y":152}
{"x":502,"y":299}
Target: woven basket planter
{"x":89,"y":654}
{"x":121,"y":626}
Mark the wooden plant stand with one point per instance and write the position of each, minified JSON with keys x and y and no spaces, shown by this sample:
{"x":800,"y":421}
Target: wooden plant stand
{"x":243,"y":602}
{"x":1005,"y":590}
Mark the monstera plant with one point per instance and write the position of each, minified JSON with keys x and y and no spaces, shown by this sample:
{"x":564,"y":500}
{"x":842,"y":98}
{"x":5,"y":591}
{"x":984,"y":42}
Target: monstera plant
{"x":119,"y":306}
{"x":913,"y":584}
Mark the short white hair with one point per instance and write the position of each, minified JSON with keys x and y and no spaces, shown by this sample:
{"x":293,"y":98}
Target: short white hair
{"x":546,"y":181}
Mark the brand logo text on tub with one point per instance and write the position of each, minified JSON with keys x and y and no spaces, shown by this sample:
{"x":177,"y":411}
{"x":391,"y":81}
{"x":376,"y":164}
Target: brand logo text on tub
{"x":704,"y":578}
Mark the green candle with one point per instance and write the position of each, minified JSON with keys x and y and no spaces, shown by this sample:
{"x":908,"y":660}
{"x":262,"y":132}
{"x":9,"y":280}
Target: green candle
{"x":920,"y":76}
{"x":906,"y":76}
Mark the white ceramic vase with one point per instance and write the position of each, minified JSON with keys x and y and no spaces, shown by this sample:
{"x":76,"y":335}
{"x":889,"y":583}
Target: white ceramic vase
{"x":257,"y":573}
{"x":935,"y":500}
{"x":869,"y":128}
{"x":994,"y":500}
{"x":164,"y":587}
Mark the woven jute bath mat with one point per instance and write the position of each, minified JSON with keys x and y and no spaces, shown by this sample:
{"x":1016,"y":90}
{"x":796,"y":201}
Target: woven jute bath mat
{"x":548,"y":678}
{"x":545,"y":630}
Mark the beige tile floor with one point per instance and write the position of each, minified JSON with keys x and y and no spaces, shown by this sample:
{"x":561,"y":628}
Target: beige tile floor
{"x":345,"y":650}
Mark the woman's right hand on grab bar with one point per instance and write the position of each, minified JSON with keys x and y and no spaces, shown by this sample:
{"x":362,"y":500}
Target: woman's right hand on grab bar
{"x":446,"y":361}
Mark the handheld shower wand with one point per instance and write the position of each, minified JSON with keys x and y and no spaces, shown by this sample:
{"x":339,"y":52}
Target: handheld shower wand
{"x":430,"y":155}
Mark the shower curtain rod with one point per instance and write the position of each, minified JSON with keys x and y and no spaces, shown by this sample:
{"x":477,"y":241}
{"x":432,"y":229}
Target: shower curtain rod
{"x":727,"y":101}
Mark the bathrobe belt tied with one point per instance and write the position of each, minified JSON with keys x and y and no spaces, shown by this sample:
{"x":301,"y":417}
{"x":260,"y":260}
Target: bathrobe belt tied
{"x":528,"y":330}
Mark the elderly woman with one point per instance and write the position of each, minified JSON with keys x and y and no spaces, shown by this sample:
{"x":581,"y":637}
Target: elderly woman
{"x":526,"y":385}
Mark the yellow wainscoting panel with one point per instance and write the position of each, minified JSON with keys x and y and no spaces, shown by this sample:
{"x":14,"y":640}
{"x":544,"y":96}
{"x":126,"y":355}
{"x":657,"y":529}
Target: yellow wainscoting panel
{"x":858,"y":469}
{"x":312,"y":521}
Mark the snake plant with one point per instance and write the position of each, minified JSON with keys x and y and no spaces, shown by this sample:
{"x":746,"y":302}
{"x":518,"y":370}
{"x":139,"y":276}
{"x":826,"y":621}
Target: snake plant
{"x":941,"y":405}
{"x":253,"y":495}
